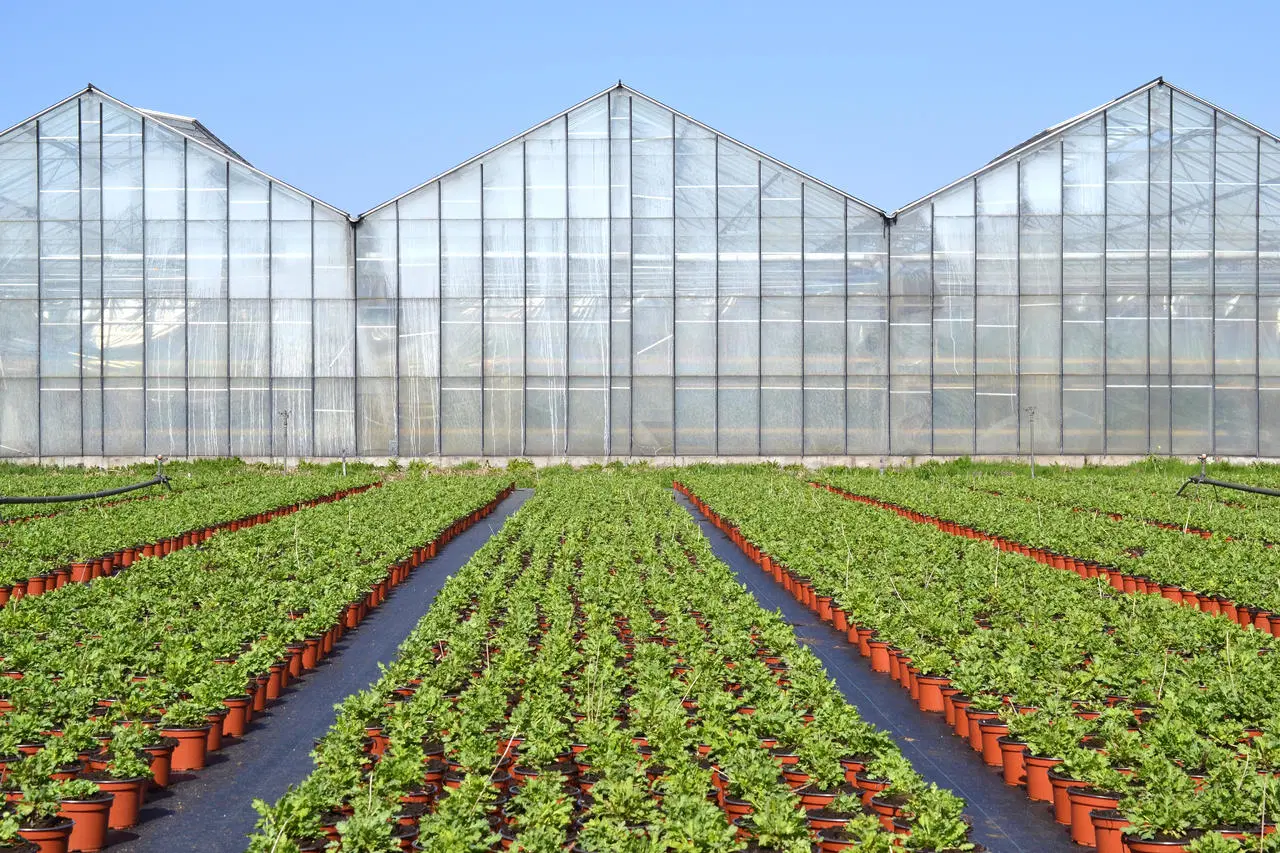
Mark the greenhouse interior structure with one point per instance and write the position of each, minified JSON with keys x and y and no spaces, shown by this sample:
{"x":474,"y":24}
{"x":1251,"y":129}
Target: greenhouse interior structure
{"x":623,"y":281}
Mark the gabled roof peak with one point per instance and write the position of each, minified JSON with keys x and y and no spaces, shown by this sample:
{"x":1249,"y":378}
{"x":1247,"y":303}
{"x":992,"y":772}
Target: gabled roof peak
{"x":187,"y":127}
{"x":621,"y":86}
{"x":1075,"y":121}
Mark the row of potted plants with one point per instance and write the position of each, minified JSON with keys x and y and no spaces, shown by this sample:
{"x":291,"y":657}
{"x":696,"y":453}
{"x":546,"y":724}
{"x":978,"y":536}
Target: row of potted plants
{"x":80,"y":544}
{"x":1143,"y":492}
{"x":1152,"y":718}
{"x":595,"y":680}
{"x":17,"y":480}
{"x":184,"y":651}
{"x":1216,"y":605}
{"x":1238,"y":571}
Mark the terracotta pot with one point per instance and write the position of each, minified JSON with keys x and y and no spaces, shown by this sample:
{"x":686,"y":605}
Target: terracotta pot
{"x":237,"y":719}
{"x":1061,"y":800}
{"x":213,"y":740}
{"x":52,"y":839}
{"x":89,"y":823}
{"x":879,"y":655}
{"x":1083,"y":801}
{"x":1038,"y":787}
{"x":161,"y":758}
{"x":193,"y":744}
{"x":991,"y":731}
{"x":129,"y":796}
{"x":976,"y":719}
{"x":1108,"y":831}
{"x":1013,"y":761}
{"x":930,"y":689}
{"x":960,"y":725}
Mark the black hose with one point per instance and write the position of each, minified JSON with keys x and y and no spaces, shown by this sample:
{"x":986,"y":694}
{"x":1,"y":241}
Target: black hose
{"x":1209,"y":481}
{"x":105,"y":493}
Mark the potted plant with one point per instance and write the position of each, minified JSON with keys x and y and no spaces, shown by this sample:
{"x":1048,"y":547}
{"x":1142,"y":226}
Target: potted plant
{"x":187,"y":723}
{"x":87,"y":807}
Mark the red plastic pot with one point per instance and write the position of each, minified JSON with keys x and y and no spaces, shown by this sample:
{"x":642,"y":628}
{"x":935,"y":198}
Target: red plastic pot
{"x":1013,"y":761}
{"x":161,"y":758}
{"x":89,"y":822}
{"x":129,"y":795}
{"x":1038,"y":787}
{"x":1083,"y":801}
{"x":1108,"y":831}
{"x":192,"y":746}
{"x":50,"y":839}
{"x":1061,"y":800}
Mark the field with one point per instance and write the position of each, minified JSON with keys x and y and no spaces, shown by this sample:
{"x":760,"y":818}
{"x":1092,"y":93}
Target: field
{"x":714,"y":658}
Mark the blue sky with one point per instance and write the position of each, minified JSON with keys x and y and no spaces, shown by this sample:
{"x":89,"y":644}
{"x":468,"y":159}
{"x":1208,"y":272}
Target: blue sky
{"x":356,"y":102}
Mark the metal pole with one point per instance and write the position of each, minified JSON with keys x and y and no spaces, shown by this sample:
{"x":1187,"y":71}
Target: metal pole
{"x":344,"y":462}
{"x":284,"y":413}
{"x":1031,"y":416}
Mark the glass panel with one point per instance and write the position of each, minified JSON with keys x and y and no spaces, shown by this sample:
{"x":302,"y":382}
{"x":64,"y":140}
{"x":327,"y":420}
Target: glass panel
{"x":376,"y":255}
{"x":460,"y":194}
{"x":59,"y":338}
{"x":547,"y":250}
{"x":208,"y":417}
{"x":695,"y":416}
{"x":824,"y":337}
{"x":503,"y":176}
{"x":166,"y":349}
{"x":291,"y":260}
{"x":376,"y":337}
{"x":376,"y":417}
{"x":588,"y":414}
{"x":589,"y":257}
{"x":589,"y":336}
{"x":781,"y":330}
{"x":738,"y":336}
{"x":868,"y":416}
{"x":954,"y":414}
{"x":738,"y":416}
{"x":910,"y":322}
{"x":334,"y":321}
{"x":250,"y":426}
{"x":419,"y":258}
{"x":335,"y":421}
{"x":824,"y":411}
{"x":652,"y":161}
{"x":546,"y":331}
{"x":165,"y":170}
{"x":695,"y":336}
{"x":504,"y":351}
{"x":910,"y":414}
{"x":503,"y":409}
{"x":546,"y":402}
{"x":250,"y":337}
{"x":781,"y":416}
{"x":1235,"y":404}
{"x":291,"y":338}
{"x":997,"y":409}
{"x":652,"y":410}
{"x":60,"y":413}
{"x":418,"y":418}
{"x":911,"y":261}
{"x":546,"y":171}
{"x":60,"y":259}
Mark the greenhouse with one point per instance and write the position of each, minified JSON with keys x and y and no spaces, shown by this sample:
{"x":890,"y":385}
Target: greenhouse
{"x":623,"y":281}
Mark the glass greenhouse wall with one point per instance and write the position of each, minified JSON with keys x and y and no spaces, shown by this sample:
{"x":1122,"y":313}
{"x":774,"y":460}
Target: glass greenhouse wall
{"x":624,"y":281}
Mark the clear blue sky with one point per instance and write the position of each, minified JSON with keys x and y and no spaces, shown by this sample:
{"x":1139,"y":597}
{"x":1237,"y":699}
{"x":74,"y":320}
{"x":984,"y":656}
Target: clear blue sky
{"x":356,"y":102}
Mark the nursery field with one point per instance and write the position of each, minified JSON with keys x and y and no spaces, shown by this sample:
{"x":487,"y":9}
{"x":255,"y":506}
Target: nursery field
{"x":594,"y":675}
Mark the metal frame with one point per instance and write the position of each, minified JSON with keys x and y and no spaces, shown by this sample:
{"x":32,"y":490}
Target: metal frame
{"x":1052,"y":138}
